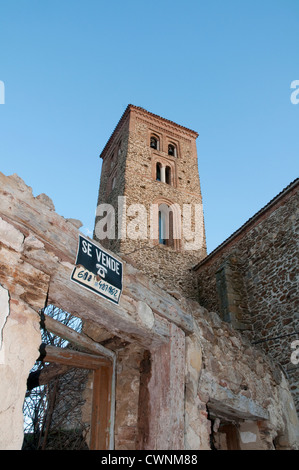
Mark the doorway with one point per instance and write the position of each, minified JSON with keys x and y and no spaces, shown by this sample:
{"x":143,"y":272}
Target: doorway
{"x":69,"y":403}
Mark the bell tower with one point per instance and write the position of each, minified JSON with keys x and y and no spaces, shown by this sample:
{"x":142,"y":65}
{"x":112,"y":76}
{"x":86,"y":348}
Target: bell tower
{"x":149,"y":205}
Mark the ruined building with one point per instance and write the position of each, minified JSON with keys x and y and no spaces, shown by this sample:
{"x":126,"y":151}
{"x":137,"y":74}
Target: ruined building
{"x":181,"y":354}
{"x":251,"y":279}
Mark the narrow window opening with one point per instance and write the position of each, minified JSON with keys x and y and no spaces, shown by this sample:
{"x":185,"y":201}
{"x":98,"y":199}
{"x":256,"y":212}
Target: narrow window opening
{"x":168,"y":175}
{"x":172,"y":150}
{"x":162,"y":239}
{"x":170,"y":241}
{"x":166,"y":227}
{"x":158,"y":172}
{"x":154,"y":144}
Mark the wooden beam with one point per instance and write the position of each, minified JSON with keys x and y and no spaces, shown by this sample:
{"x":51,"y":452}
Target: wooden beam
{"x":74,"y":358}
{"x":55,"y":255}
{"x":102,"y":425}
{"x":75,"y":338}
{"x":45,"y":375}
{"x":121,"y":320}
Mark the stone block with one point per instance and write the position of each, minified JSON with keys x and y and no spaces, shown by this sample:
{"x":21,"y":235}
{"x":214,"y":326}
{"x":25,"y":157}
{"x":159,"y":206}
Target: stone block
{"x":10,"y":236}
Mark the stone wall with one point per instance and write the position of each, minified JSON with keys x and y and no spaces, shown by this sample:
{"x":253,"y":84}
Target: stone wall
{"x":181,"y":372}
{"x":251,"y":280}
{"x":229,"y":381}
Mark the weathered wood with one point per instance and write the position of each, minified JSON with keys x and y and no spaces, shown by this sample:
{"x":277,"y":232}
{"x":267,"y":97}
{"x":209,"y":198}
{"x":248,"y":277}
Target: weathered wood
{"x":101,"y":410}
{"x":59,"y":240}
{"x":74,"y":358}
{"x":162,"y":407}
{"x":77,"y":339}
{"x":45,"y":375}
{"x":121,"y":320}
{"x":22,"y":279}
{"x":32,"y":215}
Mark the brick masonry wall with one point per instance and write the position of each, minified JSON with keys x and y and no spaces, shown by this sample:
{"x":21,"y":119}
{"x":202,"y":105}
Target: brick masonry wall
{"x":265,"y":302}
{"x":114,"y":161}
{"x":135,"y":179}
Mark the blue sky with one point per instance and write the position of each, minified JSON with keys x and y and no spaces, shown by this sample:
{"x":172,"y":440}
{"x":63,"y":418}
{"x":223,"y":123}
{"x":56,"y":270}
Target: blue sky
{"x":222,"y":68}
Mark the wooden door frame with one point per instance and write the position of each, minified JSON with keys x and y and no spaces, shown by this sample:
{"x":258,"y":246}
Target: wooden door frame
{"x":103,"y":365}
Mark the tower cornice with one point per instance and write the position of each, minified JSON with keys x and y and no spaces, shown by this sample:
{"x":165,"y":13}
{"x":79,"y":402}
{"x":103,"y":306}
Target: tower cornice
{"x":154,"y":118}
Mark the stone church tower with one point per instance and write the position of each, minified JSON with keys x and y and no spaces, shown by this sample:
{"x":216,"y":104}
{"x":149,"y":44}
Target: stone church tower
{"x":149,"y":205}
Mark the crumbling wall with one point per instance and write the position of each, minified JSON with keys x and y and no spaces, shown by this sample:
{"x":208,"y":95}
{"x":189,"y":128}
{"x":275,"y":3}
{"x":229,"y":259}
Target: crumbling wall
{"x":251,"y":280}
{"x":230,"y":380}
{"x":180,"y":368}
{"x":20,"y":339}
{"x":23,"y":290}
{"x":17,"y":359}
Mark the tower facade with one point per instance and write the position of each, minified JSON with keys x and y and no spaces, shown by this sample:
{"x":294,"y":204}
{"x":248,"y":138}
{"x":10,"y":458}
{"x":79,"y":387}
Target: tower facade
{"x":149,"y":203}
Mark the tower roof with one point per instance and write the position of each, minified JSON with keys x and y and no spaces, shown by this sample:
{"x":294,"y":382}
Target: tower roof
{"x":130,"y":107}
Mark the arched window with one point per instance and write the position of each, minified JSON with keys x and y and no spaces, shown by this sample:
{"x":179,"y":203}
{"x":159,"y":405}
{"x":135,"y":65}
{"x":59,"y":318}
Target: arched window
{"x":158,"y":171}
{"x":154,"y":143}
{"x":166,"y":229}
{"x":162,"y":237}
{"x":113,"y":182}
{"x":168,"y":175}
{"x":172,"y":150}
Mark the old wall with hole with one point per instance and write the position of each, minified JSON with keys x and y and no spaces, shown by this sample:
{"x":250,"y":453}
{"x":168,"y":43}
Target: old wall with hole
{"x":182,"y":374}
